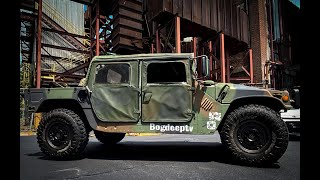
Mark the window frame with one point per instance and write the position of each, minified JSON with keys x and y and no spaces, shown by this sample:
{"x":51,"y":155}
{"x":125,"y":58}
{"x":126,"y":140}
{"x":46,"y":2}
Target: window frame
{"x":112,"y":84}
{"x":163,"y":62}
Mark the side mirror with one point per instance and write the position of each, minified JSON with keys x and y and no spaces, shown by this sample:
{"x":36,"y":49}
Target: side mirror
{"x":205,"y":66}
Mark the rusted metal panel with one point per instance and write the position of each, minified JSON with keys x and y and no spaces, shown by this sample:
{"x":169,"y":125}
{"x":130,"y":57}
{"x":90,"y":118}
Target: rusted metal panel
{"x":167,"y":5}
{"x":196,"y":11}
{"x":124,"y":21}
{"x":152,"y":9}
{"x":213,"y":14}
{"x":244,"y":26}
{"x":158,"y":6}
{"x":131,"y":14}
{"x":127,"y":41}
{"x":238,"y":24}
{"x":177,"y":7}
{"x":222,"y":15}
{"x":218,"y":15}
{"x":121,"y":30}
{"x":127,"y":25}
{"x":205,"y":13}
{"x":227,"y":17}
{"x":131,"y":4}
{"x":187,"y":9}
{"x":234,"y":22}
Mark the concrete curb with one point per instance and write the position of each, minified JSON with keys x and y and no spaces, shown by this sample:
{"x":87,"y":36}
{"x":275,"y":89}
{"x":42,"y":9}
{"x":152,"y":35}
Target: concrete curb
{"x":28,"y":133}
{"x":143,"y":134}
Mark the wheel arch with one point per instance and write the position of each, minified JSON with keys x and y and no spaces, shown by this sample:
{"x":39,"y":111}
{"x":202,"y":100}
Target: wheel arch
{"x":267,"y":101}
{"x":71,"y":104}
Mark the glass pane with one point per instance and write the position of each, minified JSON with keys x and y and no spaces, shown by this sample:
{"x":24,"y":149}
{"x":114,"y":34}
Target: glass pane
{"x":112,"y":73}
{"x":166,"y":72}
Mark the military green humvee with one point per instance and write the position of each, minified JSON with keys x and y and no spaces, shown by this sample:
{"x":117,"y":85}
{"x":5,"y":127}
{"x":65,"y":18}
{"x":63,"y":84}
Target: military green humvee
{"x":159,"y":93}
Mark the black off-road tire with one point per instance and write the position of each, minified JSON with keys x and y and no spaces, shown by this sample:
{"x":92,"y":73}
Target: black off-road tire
{"x":109,"y":138}
{"x":62,"y":134}
{"x":255,"y":135}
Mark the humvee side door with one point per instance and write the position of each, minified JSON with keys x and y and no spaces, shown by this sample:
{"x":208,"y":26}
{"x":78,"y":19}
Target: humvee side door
{"x":115,"y":91}
{"x":166,"y":91}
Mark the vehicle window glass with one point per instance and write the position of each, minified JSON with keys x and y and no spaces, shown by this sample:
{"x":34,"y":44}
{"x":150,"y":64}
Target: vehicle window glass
{"x":166,"y":72}
{"x":112,"y":73}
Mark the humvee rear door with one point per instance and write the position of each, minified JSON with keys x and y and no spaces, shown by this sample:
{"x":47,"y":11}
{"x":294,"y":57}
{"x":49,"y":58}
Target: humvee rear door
{"x":166,"y":91}
{"x":115,"y":92}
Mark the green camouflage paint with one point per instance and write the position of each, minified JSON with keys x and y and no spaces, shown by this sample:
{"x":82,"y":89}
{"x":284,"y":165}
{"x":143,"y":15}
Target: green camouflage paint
{"x":191,"y":107}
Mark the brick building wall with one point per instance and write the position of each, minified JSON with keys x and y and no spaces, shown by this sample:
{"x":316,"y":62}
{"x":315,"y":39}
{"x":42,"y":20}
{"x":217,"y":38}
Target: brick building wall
{"x":258,"y":37}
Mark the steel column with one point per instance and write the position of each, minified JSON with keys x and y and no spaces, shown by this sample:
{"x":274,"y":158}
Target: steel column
{"x":158,"y":45}
{"x":210,"y":60}
{"x":251,"y":65}
{"x":177,"y":38}
{"x":97,"y":28}
{"x":222,"y":59}
{"x":90,"y":8}
{"x":39,"y":44}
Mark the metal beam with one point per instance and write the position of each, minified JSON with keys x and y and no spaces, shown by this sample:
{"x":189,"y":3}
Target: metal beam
{"x":97,"y":28}
{"x":63,"y":75}
{"x":50,"y":57}
{"x":177,"y":33}
{"x":75,"y":69}
{"x":222,"y":59}
{"x":251,"y":65}
{"x":245,"y":70}
{"x":90,"y":8}
{"x":64,"y":48}
{"x":39,"y":44}
{"x":64,"y":33}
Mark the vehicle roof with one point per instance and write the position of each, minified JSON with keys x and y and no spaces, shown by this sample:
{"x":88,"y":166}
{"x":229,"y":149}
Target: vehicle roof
{"x":157,"y":56}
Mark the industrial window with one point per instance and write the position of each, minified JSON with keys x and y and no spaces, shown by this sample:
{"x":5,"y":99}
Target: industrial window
{"x":166,"y":72}
{"x":112,"y":73}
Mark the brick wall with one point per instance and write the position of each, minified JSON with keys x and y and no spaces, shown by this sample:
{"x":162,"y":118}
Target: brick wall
{"x":258,"y":36}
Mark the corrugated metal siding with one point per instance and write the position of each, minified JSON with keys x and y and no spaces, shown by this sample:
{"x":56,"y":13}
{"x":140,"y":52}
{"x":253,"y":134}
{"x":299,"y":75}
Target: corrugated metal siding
{"x":69,"y":15}
{"x":219,"y":15}
{"x":127,"y":26}
{"x":71,"y":11}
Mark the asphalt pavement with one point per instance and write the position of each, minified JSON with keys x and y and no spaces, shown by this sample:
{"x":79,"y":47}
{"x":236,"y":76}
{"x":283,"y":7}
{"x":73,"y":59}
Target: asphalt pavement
{"x":154,"y":157}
